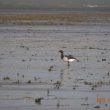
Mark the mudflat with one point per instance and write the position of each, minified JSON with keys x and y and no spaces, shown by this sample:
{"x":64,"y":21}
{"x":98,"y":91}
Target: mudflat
{"x":32,"y":75}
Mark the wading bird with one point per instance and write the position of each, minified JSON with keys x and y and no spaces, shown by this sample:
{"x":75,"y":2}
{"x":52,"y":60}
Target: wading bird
{"x":67,"y":58}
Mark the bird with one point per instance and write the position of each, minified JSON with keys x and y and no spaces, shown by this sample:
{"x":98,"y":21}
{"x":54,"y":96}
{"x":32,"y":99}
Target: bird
{"x":67,"y":58}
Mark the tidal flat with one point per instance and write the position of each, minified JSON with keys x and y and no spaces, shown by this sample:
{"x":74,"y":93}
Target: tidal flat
{"x":33,"y":76}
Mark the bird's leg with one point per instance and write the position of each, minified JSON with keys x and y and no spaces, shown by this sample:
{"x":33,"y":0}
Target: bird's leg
{"x":68,"y":64}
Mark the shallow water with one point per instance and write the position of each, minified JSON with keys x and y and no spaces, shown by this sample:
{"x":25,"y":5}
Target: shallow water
{"x":27,"y":54}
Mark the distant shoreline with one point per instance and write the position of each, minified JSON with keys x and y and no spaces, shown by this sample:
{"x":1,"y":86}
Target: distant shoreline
{"x":54,"y":18}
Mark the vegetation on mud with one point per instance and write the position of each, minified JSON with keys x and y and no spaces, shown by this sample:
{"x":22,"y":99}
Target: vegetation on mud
{"x":55,"y":18}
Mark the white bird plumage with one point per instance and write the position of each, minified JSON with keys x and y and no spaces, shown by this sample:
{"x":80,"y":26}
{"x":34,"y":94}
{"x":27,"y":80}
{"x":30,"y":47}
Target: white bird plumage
{"x":67,"y":58}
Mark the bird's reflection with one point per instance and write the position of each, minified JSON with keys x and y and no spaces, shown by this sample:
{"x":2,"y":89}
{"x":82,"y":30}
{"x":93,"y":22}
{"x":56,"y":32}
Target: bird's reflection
{"x":64,"y":74}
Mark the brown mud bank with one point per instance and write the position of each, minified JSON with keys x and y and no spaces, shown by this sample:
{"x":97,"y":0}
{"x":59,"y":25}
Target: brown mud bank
{"x":55,"y":18}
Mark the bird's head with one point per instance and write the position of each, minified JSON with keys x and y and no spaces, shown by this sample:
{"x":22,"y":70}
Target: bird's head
{"x":61,"y":51}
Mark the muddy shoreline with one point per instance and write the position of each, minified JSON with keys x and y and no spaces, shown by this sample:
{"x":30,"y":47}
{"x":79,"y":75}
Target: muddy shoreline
{"x":55,"y":18}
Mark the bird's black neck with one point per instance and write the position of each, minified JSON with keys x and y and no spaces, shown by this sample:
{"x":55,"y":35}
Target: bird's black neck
{"x":62,"y":55}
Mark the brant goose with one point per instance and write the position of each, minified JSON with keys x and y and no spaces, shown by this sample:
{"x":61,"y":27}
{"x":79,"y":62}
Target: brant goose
{"x":67,"y":58}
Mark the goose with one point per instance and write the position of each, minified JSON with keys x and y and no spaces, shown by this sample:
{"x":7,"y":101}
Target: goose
{"x":67,"y":58}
